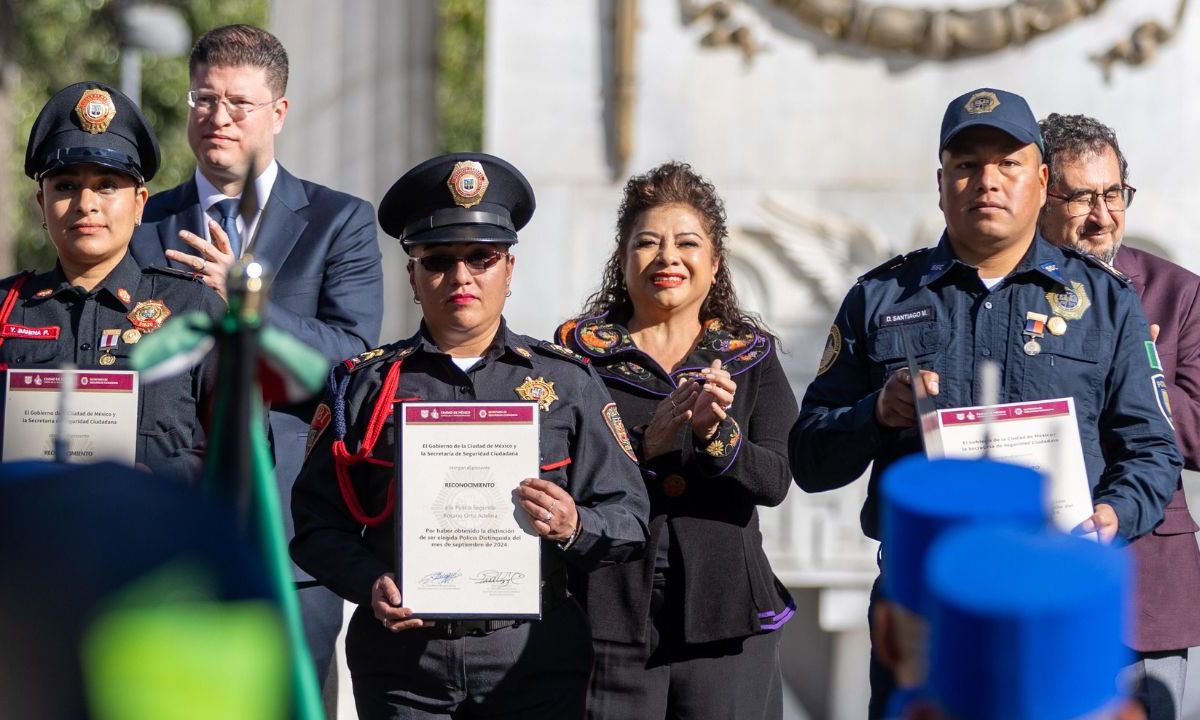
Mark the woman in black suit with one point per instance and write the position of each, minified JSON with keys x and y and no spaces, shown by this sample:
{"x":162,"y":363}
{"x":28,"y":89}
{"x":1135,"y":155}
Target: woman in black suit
{"x":688,"y":632}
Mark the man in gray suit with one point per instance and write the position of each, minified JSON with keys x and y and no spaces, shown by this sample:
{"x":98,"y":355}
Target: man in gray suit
{"x":321,"y":244}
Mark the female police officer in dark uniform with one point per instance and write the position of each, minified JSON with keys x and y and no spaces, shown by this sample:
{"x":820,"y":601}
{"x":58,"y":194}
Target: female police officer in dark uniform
{"x":457,"y":217}
{"x":91,"y":152}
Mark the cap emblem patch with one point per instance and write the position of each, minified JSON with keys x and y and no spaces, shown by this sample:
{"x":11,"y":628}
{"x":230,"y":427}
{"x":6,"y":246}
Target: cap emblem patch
{"x":468,"y":182}
{"x":982,"y":102}
{"x":95,"y":110}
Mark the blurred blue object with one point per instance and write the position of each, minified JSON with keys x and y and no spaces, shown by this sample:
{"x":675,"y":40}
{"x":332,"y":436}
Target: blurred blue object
{"x":1025,"y":625}
{"x":922,"y":499}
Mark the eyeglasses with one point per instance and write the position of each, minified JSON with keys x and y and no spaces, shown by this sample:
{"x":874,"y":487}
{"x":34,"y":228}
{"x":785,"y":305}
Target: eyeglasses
{"x":1081,"y":203}
{"x":205,"y":104}
{"x":476,"y":262}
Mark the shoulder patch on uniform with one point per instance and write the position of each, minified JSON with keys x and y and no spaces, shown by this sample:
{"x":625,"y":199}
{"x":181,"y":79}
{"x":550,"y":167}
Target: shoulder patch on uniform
{"x":172,"y":272}
{"x":394,"y":351}
{"x":833,"y":348}
{"x":891,"y":264}
{"x":612,"y":418}
{"x":556,"y":350}
{"x":1163,"y":398}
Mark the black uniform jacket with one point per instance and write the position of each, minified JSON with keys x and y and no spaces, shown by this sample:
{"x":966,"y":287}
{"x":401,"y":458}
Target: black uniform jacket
{"x":703,"y":500}
{"x":581,"y":450}
{"x":53,"y":322}
{"x":1102,"y":357}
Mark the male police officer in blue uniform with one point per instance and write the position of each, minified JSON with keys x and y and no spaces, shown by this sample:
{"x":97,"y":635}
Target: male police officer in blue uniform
{"x":1057,"y":322}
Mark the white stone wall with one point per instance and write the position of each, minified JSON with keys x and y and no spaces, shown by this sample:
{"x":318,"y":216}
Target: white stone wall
{"x":826,"y":156}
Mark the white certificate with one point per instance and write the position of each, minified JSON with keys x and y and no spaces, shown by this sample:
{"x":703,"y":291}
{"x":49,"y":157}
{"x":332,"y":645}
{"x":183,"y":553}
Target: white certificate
{"x":466,"y":549}
{"x":103,"y":415}
{"x":1043,"y":435}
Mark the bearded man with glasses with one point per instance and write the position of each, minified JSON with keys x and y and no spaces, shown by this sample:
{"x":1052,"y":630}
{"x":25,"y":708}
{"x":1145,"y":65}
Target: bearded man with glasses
{"x":322,"y":245}
{"x":1088,"y":198}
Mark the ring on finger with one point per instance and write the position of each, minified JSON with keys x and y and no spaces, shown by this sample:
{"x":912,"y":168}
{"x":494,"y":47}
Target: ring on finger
{"x":384,"y":621}
{"x":549,"y":516}
{"x":203,"y":264}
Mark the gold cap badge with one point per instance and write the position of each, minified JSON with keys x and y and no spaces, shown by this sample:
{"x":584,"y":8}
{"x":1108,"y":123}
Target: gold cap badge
{"x":95,"y":110}
{"x":468,"y":182}
{"x":982,"y":102}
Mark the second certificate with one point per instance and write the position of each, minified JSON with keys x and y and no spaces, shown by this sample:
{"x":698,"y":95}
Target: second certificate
{"x":465,"y":548}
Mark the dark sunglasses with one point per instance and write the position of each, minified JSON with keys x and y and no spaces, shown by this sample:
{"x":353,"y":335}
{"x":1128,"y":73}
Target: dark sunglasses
{"x":477,"y":261}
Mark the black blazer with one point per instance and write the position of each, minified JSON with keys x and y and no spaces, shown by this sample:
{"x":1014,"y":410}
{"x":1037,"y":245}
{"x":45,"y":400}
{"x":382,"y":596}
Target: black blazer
{"x":328,"y":286}
{"x":704,"y":498}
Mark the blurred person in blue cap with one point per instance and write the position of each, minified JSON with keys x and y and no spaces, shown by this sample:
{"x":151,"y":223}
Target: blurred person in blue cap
{"x":1090,"y":200}
{"x":921,"y":501}
{"x":1057,"y":322}
{"x":91,"y":152}
{"x":1026,"y":625}
{"x":457,"y":217}
{"x":123,"y":592}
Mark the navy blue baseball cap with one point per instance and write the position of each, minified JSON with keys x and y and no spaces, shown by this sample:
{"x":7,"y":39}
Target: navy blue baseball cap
{"x":1026,"y":625}
{"x":923,"y":499}
{"x":90,"y":122}
{"x":1000,"y":109}
{"x":461,"y":197}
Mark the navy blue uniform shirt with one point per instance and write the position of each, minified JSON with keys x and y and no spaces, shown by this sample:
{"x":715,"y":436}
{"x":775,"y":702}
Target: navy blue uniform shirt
{"x":953,"y":322}
{"x":71,"y":323}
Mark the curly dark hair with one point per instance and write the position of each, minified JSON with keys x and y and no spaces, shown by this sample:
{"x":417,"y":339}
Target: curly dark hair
{"x":1069,"y":137}
{"x":672,"y":183}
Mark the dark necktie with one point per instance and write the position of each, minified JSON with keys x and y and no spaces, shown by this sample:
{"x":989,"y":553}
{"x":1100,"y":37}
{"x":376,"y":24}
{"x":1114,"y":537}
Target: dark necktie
{"x":228,"y":210}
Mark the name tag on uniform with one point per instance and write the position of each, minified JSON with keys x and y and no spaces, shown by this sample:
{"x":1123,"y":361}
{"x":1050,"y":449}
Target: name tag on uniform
{"x":904,"y":317}
{"x":12,"y":330}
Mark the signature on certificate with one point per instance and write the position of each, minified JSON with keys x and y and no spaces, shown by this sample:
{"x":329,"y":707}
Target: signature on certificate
{"x":440,"y":577}
{"x":498,"y":577}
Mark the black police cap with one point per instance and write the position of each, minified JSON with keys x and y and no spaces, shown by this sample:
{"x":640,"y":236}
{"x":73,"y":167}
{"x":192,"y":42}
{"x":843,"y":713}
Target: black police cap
{"x":461,"y":197}
{"x":90,"y":122}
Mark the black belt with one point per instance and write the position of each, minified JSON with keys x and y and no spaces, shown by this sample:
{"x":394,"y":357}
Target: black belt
{"x":554,"y":593}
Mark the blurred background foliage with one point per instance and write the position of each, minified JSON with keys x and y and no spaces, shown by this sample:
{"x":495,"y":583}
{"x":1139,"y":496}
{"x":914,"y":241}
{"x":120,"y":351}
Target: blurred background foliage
{"x":460,"y":75}
{"x":46,"y":45}
{"x":60,"y":42}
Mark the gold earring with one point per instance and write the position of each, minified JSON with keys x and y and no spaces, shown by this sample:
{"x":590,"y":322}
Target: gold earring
{"x":44,"y":226}
{"x":416,"y":300}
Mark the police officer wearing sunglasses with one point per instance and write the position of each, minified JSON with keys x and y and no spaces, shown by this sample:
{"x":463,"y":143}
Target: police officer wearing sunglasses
{"x":457,"y":217}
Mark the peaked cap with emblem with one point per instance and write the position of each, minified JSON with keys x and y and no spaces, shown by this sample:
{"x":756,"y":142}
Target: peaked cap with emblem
{"x":1005,"y":111}
{"x":461,"y":197}
{"x":90,"y":122}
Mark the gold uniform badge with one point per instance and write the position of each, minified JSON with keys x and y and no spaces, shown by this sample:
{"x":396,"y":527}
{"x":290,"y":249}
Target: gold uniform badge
{"x":538,"y":390}
{"x":149,"y":315}
{"x":468,"y":182}
{"x":1070,"y":304}
{"x":95,"y":110}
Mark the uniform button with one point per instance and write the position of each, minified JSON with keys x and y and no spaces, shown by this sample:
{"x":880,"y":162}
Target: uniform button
{"x":464,"y":389}
{"x":988,"y":304}
{"x":85,"y":346}
{"x":987,"y":353}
